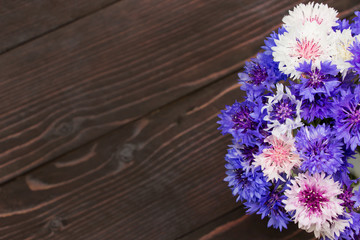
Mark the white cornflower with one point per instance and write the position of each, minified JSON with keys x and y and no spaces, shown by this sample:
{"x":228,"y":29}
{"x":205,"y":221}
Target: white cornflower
{"x":309,"y":42}
{"x":341,"y":41}
{"x":318,"y":13}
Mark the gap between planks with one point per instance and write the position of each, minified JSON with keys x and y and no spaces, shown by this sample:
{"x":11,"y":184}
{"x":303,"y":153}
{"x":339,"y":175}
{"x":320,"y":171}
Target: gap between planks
{"x":57,"y":27}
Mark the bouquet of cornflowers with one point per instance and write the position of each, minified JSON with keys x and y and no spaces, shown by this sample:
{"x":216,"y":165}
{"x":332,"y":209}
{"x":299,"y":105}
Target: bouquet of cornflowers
{"x":299,"y":125}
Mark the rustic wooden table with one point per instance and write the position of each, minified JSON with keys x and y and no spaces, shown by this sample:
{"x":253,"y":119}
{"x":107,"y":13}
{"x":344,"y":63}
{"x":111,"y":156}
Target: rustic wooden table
{"x":108,"y":117}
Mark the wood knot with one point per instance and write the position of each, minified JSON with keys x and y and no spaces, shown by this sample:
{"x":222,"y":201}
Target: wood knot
{"x":126,"y":153}
{"x":123,"y":157}
{"x":56,"y":224}
{"x":64,"y":129}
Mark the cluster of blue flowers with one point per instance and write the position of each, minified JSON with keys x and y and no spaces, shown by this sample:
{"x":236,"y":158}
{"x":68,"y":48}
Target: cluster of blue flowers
{"x":309,"y":95}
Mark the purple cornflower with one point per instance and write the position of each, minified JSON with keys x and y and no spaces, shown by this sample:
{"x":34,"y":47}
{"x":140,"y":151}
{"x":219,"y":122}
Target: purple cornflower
{"x":355,"y":26}
{"x":319,"y":149}
{"x":241,"y":121}
{"x":260,"y":74}
{"x":342,"y":175}
{"x":319,"y":108}
{"x":270,"y":41}
{"x":271,"y":205}
{"x":356,"y":199}
{"x":246,"y":185}
{"x":317,"y":81}
{"x":355,"y":61}
{"x":347,"y":112}
{"x":247,"y":154}
{"x":347,"y":197}
{"x":283,"y":110}
{"x":342,"y":25}
{"x":351,"y":232}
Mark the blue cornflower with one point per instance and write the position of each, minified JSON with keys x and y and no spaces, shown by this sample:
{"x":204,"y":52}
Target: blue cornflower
{"x":319,"y":108}
{"x":242,"y":121}
{"x":342,"y":25}
{"x":342,"y":175}
{"x":246,"y":154}
{"x":356,"y":199}
{"x":317,"y":81}
{"x":346,"y":84}
{"x":353,"y":231}
{"x":260,"y":74}
{"x":347,"y":121}
{"x":271,"y":205}
{"x":347,"y":197}
{"x":270,"y":41}
{"x":283,"y":110}
{"x":355,"y":61}
{"x":246,"y":185}
{"x":355,"y":26}
{"x":319,"y":149}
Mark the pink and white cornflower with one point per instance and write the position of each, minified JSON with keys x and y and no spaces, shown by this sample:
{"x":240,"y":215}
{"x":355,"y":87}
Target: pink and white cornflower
{"x":308,"y":42}
{"x":341,"y":41}
{"x":283,"y":111}
{"x":279,"y":158}
{"x":314,"y":202}
{"x":320,"y":14}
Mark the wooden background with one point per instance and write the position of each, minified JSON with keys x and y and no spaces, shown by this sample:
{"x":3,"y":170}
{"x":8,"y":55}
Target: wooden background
{"x":108,"y":116}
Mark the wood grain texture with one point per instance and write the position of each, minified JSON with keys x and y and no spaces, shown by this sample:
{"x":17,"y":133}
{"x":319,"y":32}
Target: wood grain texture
{"x":141,"y":175}
{"x":156,"y":178}
{"x":235,"y":225}
{"x":23,"y":20}
{"x":108,"y":69}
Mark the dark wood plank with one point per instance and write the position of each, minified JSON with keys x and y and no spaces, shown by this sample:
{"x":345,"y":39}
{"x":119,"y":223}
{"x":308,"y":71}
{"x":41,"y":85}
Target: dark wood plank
{"x":235,"y":225}
{"x":108,"y":69}
{"x":156,"y":178}
{"x":23,"y":20}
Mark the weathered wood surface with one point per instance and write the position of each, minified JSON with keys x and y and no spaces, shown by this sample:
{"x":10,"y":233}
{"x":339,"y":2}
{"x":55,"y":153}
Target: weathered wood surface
{"x":236,"y":225}
{"x":156,"y":178}
{"x":108,"y":125}
{"x":24,"y":20}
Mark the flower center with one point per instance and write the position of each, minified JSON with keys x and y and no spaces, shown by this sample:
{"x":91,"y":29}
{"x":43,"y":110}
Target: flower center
{"x":315,"y":18}
{"x":282,"y":110}
{"x":258,"y":75}
{"x":315,"y":79}
{"x":241,"y":179}
{"x":273,"y":199}
{"x":307,"y":49}
{"x":354,"y":118}
{"x":243,"y":120}
{"x":248,"y":153}
{"x":346,"y":197}
{"x":317,"y":147}
{"x":279,"y":153}
{"x":312,"y":199}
